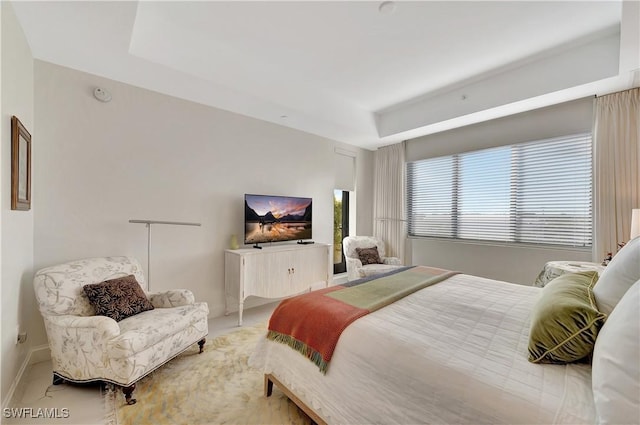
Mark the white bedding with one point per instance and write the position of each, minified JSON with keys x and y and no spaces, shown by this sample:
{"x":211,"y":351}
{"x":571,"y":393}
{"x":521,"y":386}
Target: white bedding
{"x":455,"y":352}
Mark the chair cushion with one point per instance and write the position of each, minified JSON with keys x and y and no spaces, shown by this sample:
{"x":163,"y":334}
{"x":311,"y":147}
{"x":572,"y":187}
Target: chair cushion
{"x":145,"y":330}
{"x":565,"y":321}
{"x":369,"y":255}
{"x":374,"y":269}
{"x":117,"y":298}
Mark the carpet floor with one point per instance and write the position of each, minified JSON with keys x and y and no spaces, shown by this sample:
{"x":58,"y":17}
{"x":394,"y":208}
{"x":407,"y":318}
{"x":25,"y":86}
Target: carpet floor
{"x":215,"y":387}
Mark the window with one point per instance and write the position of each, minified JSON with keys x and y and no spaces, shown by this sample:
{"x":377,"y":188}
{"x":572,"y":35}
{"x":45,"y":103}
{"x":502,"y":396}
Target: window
{"x":340,"y":228}
{"x":536,"y":192}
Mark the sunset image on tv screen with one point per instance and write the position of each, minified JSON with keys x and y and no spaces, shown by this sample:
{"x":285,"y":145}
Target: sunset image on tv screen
{"x":276,"y":218}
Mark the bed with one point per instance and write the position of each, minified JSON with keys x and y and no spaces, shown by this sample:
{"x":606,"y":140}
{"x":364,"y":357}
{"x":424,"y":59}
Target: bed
{"x":454,"y":352}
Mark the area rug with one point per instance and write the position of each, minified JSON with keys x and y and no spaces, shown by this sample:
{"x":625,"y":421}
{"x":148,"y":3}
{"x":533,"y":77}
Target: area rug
{"x":215,"y":387}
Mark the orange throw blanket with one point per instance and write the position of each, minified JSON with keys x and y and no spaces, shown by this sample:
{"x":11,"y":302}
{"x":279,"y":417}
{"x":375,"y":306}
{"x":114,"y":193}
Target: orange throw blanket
{"x":312,"y":323}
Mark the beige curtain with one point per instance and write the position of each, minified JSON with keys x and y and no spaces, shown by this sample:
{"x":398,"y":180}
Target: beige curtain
{"x":616,"y":175}
{"x":388,"y":199}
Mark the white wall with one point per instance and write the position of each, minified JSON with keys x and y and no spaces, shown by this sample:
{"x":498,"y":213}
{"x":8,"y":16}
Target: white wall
{"x":146,"y":155}
{"x":17,"y":226}
{"x":544,"y":123}
{"x":563,"y":67}
{"x":364,"y":190}
{"x":518,"y":264}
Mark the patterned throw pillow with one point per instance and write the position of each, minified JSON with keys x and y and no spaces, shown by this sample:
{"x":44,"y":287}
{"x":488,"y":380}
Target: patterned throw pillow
{"x":118,"y":298}
{"x":368,"y":255}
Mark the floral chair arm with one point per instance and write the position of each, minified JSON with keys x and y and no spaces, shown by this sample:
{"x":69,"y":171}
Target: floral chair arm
{"x":173,"y":298}
{"x":353,"y":267}
{"x":95,"y":326}
{"x":395,"y":261}
{"x":77,"y":344}
{"x":354,"y":262}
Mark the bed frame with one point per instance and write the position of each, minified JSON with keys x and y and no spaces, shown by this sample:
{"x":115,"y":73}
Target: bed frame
{"x":269,"y":380}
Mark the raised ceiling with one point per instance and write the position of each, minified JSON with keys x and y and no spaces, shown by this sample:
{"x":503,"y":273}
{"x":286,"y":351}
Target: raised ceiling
{"x":344,"y":70}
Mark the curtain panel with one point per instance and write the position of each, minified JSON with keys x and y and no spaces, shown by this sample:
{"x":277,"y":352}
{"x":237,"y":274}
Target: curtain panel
{"x":389,"y":199}
{"x":616,"y":175}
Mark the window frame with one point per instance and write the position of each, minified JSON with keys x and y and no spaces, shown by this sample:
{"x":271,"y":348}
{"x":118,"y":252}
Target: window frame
{"x":514,"y":219}
{"x":341,"y":267}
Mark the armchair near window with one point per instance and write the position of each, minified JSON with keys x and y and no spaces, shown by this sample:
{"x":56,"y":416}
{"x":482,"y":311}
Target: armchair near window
{"x":87,"y":347}
{"x":355,"y":267}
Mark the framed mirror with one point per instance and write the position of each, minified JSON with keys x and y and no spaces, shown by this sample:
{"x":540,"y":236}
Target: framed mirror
{"x":20,"y":166}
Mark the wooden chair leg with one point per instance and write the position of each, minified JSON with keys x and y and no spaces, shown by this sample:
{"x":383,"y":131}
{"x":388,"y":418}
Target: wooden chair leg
{"x":201,"y":344}
{"x":127,"y":394}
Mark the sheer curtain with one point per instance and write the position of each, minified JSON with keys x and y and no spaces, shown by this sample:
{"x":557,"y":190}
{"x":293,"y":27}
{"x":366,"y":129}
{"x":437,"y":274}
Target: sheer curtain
{"x":616,"y":175}
{"x":388,"y":199}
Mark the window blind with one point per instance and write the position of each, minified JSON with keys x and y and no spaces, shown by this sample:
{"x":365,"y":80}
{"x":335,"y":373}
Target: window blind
{"x":536,"y":192}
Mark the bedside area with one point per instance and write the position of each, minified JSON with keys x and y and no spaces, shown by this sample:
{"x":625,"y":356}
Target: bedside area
{"x":553,"y":269}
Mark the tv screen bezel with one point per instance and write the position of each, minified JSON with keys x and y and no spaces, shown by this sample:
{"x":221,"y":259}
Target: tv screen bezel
{"x":282,"y":198}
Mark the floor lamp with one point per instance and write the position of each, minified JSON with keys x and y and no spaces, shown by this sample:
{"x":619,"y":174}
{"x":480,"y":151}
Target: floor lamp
{"x":148,"y":223}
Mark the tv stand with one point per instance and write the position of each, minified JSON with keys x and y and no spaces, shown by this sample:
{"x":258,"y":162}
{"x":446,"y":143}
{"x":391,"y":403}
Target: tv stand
{"x":275,"y":272}
{"x":256,"y":246}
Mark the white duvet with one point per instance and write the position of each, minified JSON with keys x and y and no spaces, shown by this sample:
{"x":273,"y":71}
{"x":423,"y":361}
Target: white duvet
{"x":455,"y":352}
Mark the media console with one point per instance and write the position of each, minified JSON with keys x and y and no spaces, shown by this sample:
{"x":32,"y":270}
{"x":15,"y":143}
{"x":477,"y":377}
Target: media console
{"x":274,"y":272}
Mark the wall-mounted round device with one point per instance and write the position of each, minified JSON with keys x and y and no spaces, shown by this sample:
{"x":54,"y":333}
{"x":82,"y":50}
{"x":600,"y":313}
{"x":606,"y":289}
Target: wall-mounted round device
{"x":101,"y":94}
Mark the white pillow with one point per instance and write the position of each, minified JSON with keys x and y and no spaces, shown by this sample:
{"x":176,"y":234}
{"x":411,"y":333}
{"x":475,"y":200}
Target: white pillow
{"x":618,"y":276}
{"x":615,"y":373}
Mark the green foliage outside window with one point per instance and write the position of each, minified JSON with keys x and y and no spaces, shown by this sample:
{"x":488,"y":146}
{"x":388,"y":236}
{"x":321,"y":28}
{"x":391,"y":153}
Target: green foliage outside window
{"x":337,"y":230}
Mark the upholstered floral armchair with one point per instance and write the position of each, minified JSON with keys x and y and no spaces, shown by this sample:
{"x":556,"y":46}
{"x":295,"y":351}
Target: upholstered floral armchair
{"x":87,"y":347}
{"x":365,"y":256}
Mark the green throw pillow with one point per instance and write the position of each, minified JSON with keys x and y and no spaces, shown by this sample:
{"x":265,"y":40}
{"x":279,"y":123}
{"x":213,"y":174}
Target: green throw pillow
{"x":565,"y":320}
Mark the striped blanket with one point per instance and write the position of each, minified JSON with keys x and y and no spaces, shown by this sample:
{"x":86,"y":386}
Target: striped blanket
{"x":312,"y":323}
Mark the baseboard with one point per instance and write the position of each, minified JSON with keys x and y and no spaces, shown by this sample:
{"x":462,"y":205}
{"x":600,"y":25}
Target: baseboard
{"x":35,"y":355}
{"x":41,"y":353}
{"x":339,"y":279}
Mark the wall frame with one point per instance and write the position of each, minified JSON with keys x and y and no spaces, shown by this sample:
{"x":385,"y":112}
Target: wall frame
{"x":20,"y":166}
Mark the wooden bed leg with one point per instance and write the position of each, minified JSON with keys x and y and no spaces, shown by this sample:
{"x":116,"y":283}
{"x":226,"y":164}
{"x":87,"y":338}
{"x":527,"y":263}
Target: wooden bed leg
{"x":269,"y":380}
{"x":201,"y":344}
{"x":268,"y":386}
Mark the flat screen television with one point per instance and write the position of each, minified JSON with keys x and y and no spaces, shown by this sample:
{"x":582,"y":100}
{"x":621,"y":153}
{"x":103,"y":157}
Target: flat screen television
{"x":276,"y":218}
